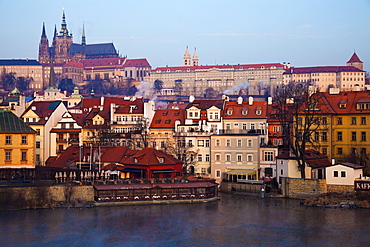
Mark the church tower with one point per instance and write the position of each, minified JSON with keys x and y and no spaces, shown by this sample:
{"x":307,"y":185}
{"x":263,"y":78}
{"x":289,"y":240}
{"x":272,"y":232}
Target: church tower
{"x":195,"y":58}
{"x":355,"y":62}
{"x":62,"y":42}
{"x":44,"y":55}
{"x":187,"y":58}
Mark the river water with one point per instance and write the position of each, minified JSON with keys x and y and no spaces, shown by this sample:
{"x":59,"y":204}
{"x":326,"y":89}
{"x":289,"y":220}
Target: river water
{"x":231,"y":221}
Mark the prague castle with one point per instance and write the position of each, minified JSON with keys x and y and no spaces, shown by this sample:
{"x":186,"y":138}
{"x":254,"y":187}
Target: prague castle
{"x":64,"y":50}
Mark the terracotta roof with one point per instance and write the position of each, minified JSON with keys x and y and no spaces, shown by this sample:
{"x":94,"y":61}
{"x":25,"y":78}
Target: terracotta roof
{"x":354,"y":59}
{"x":43,"y":109}
{"x":208,"y":67}
{"x":174,"y":105}
{"x":73,"y":64}
{"x":91,"y":102}
{"x":321,"y":69}
{"x":205,"y":104}
{"x":131,"y":107}
{"x":151,"y":156}
{"x":313,"y":158}
{"x":103,"y":62}
{"x":233,"y":110}
{"x":335,"y":102}
{"x":166,"y":118}
{"x":140,"y":62}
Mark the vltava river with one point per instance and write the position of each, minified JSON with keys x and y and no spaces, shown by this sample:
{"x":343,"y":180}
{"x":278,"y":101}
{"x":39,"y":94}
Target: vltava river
{"x":231,"y":221}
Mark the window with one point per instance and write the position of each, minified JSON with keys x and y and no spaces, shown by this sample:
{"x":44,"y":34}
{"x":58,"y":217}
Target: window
{"x":253,"y":126}
{"x":8,"y":140}
{"x":218,"y":173}
{"x":343,"y":174}
{"x":200,"y":143}
{"x":239,"y":157}
{"x":154,"y":144}
{"x":324,"y":136}
{"x":324,"y":121}
{"x":339,"y":150}
{"x":363,"y":136}
{"x":161,"y":160}
{"x":118,"y":118}
{"x":228,"y":126}
{"x":190,"y":143}
{"x":8,"y":155}
{"x":324,"y":151}
{"x":353,"y":136}
{"x":38,"y":145}
{"x":218,"y":157}
{"x":339,"y":121}
{"x":316,"y":138}
{"x":207,"y":143}
{"x":228,"y":143}
{"x":335,"y":174}
{"x":339,"y":136}
{"x":250,"y":143}
{"x":249,"y":158}
{"x":269,"y":156}
{"x":37,"y":132}
{"x":217,"y":143}
{"x":239,"y":143}
{"x":353,"y":120}
{"x":24,"y":139}
{"x":244,"y":126}
{"x":200,"y":157}
{"x":281,"y":172}
{"x":228,"y":157}
{"x":363,"y":120}
{"x":207,"y":158}
{"x":277,"y":129}
{"x":162,"y":144}
{"x":24,"y":155}
{"x":203,"y":170}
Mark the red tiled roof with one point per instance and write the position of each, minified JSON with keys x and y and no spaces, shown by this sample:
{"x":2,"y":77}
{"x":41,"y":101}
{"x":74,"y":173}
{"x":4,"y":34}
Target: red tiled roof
{"x":321,"y":69}
{"x":43,"y":109}
{"x":73,"y":64}
{"x":354,"y":59}
{"x":87,"y":103}
{"x":126,"y":107}
{"x":207,"y":67}
{"x":205,"y":104}
{"x":236,"y":110}
{"x":103,"y":62}
{"x":333,"y":101}
{"x":151,"y":156}
{"x":174,"y":105}
{"x":140,"y":62}
{"x":166,"y":118}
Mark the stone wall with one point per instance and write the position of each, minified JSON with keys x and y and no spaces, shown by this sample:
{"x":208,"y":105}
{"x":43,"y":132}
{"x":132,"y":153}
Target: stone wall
{"x":300,"y":188}
{"x":245,"y":188}
{"x":45,"y":196}
{"x":340,"y":188}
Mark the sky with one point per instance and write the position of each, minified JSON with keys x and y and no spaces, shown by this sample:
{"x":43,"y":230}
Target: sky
{"x":301,"y":32}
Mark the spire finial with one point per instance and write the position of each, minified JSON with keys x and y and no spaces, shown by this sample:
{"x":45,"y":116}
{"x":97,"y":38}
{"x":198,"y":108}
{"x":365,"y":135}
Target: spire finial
{"x":43,"y":35}
{"x":83,"y":42}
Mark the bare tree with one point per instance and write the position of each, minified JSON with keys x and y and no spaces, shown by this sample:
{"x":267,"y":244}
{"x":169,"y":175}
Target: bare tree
{"x":299,"y":110}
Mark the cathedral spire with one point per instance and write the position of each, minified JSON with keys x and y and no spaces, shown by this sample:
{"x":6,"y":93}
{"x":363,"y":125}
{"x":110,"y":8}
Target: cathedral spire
{"x":187,"y":58}
{"x":83,"y":35}
{"x":43,"y":35}
{"x":195,"y":58}
{"x":63,"y":30}
{"x":55,"y":31}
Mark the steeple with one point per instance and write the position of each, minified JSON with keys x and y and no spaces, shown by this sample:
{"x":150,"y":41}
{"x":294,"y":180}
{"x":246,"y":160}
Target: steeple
{"x":52,"y":76}
{"x":43,"y":35}
{"x":55,"y":31}
{"x":195,"y":58}
{"x":63,"y":30}
{"x":355,"y":62}
{"x":187,"y":58}
{"x":83,"y":35}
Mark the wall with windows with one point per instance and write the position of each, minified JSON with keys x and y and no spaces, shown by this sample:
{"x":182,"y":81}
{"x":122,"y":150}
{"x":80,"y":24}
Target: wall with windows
{"x":17,"y":150}
{"x":342,"y":175}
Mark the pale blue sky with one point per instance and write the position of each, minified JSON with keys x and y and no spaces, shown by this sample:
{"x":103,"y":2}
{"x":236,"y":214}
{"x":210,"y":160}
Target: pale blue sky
{"x":302,"y":32}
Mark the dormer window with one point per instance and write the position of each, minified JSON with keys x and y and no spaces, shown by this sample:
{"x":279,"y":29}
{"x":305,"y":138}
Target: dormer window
{"x":168,"y":121}
{"x":161,"y":160}
{"x":244,"y":111}
{"x":229,"y":111}
{"x":342,"y":106}
{"x":258,"y":111}
{"x":165,"y":113}
{"x":136,"y":160}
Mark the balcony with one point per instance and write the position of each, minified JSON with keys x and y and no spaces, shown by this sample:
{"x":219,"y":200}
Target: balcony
{"x":193,"y":133}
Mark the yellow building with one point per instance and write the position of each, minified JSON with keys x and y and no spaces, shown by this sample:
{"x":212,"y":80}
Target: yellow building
{"x":17,"y":142}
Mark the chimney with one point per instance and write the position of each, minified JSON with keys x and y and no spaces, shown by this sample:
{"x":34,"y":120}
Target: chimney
{"x":102,"y":101}
{"x":333,"y":161}
{"x":288,"y":65}
{"x":240,"y":100}
{"x":191,"y":98}
{"x":250,"y":99}
{"x":112,"y":110}
{"x":269,"y":100}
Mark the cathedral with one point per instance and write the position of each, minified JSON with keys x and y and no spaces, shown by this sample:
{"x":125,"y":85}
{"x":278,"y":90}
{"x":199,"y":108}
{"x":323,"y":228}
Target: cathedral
{"x":64,"y":50}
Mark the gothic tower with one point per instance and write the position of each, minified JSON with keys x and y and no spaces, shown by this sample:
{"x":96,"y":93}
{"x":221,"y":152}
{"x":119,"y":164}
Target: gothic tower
{"x":355,"y":62}
{"x":187,"y":58}
{"x":195,"y":58}
{"x":44,"y":55}
{"x":61,"y":43}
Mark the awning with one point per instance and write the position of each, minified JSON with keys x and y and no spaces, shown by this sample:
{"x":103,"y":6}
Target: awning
{"x":163,"y":170}
{"x":241,"y":172}
{"x":131,"y":170}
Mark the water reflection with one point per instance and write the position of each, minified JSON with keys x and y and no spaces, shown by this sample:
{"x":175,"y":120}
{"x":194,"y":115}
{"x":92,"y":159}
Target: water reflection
{"x":232,"y":221}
